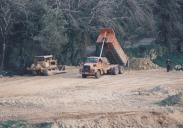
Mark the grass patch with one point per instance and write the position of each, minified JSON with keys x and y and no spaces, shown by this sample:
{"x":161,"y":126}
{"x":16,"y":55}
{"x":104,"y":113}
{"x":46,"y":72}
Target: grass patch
{"x":14,"y":124}
{"x":23,"y":124}
{"x":172,"y":100}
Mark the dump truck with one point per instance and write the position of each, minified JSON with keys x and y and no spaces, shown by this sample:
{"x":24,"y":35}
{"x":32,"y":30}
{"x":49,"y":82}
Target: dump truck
{"x":111,"y":60}
{"x":46,"y":65}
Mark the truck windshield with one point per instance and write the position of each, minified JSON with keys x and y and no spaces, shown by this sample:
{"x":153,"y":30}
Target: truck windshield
{"x":91,"y":60}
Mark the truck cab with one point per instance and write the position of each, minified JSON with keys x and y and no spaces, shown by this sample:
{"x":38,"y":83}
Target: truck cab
{"x":97,"y":66}
{"x":94,"y":66}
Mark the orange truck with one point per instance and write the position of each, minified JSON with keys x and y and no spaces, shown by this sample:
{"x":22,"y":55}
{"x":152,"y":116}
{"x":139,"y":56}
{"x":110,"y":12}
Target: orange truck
{"x":111,"y":60}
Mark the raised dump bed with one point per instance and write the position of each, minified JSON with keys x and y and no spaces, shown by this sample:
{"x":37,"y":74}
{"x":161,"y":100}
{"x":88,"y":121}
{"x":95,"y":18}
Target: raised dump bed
{"x":112,"y":48}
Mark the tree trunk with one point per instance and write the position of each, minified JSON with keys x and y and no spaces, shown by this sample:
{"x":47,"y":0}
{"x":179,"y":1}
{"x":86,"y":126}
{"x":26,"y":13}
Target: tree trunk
{"x":3,"y":54}
{"x":179,"y":46}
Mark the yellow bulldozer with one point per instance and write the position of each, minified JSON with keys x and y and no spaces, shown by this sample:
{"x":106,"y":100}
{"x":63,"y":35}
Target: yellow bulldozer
{"x":46,"y":65}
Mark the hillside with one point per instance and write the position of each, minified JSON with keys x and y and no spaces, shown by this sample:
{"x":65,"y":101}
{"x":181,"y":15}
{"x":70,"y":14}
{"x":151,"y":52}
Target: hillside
{"x":67,"y":28}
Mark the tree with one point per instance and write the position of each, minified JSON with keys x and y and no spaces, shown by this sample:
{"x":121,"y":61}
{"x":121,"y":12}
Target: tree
{"x":169,"y":23}
{"x":52,"y":35}
{"x":6,"y":21}
{"x":13,"y":17}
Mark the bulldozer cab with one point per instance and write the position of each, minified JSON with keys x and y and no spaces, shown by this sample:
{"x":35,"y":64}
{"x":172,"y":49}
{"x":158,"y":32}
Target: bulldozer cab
{"x":43,"y":58}
{"x":47,"y":61}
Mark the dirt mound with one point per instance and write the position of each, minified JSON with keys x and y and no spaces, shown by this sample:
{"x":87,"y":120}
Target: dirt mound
{"x":119,"y":120}
{"x":134,"y":119}
{"x":105,"y":120}
{"x":142,"y":64}
{"x":173,"y":100}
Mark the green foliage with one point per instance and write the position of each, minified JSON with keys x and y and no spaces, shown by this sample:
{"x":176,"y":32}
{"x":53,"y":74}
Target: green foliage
{"x":23,"y":124}
{"x":52,"y":36}
{"x":14,"y":124}
{"x":175,"y":57}
{"x":172,"y":100}
{"x":143,"y":50}
{"x":169,"y":23}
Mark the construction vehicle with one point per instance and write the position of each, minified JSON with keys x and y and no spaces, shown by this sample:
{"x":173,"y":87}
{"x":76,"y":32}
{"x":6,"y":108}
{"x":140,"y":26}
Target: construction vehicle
{"x":114,"y":61}
{"x":46,"y":65}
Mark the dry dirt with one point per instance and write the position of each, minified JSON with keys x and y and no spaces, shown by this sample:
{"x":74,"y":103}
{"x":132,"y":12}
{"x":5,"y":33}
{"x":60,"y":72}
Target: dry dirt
{"x":129,"y":100}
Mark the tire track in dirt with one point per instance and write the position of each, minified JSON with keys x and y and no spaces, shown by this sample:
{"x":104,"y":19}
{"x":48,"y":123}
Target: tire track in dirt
{"x":23,"y":102}
{"x":18,"y":80}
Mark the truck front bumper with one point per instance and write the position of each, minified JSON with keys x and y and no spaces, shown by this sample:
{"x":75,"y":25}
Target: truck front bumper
{"x":87,"y":73}
{"x":90,"y":73}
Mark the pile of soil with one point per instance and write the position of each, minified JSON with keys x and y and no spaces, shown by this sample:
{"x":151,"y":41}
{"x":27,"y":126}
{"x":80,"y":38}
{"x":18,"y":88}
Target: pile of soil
{"x":142,"y":64}
{"x":105,"y":120}
{"x":119,"y":120}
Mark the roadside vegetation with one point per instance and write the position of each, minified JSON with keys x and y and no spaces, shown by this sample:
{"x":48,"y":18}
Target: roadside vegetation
{"x":23,"y":124}
{"x":173,"y":100}
{"x":175,"y":57}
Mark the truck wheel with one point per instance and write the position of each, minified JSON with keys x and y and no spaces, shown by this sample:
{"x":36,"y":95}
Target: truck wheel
{"x":97,"y":74}
{"x":84,"y":76}
{"x":115,"y":71}
{"x":46,"y":73}
{"x":121,"y":70}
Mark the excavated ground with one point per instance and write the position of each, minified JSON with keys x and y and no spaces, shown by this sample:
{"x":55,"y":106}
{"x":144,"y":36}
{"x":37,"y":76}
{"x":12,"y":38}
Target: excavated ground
{"x":130,"y":100}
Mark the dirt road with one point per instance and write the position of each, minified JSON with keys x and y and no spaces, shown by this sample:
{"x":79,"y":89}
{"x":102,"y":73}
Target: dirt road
{"x":66,"y":96}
